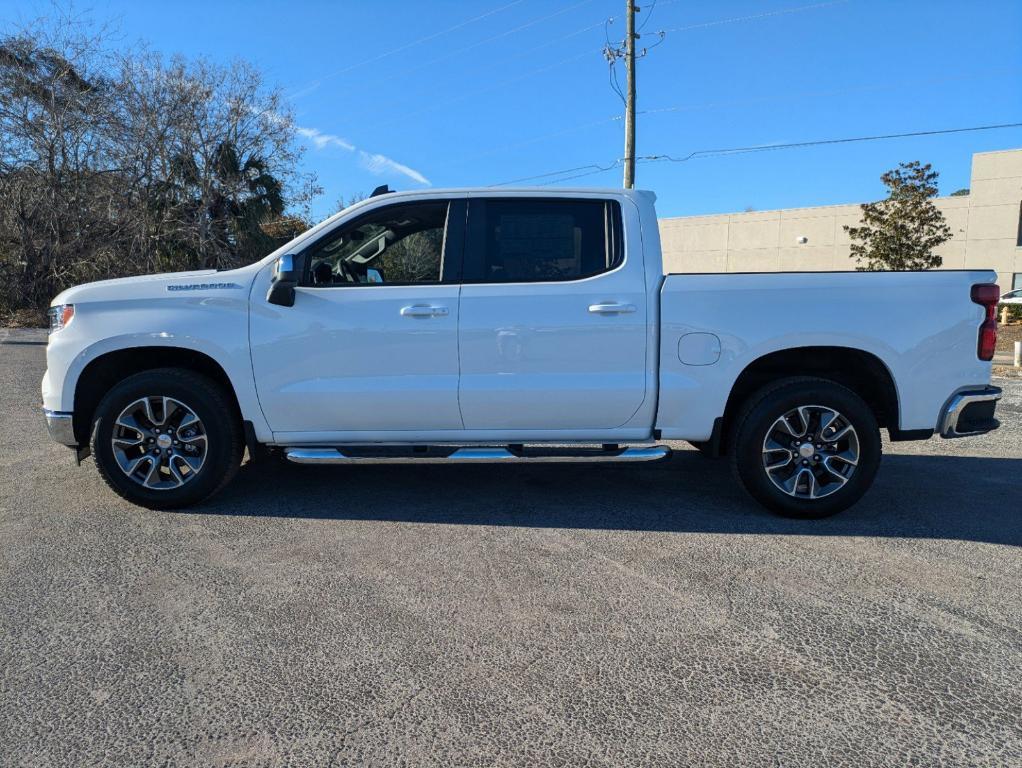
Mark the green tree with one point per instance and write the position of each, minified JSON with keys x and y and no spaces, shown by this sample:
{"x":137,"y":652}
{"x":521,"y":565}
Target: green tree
{"x":900,"y":232}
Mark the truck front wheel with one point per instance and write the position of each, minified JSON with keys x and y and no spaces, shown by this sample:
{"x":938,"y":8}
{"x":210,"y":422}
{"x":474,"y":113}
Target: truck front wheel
{"x":806,"y":447}
{"x":166,"y":438}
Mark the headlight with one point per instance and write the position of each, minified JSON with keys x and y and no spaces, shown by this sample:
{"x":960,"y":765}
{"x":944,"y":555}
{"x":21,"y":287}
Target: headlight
{"x":60,"y":316}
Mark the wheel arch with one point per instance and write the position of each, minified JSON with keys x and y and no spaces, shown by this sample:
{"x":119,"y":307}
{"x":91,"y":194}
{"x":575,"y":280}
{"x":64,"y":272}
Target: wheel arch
{"x":106,"y":370}
{"x":860,"y":371}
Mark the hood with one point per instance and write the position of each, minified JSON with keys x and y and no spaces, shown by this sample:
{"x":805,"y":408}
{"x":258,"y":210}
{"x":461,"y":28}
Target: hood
{"x":160,"y":286}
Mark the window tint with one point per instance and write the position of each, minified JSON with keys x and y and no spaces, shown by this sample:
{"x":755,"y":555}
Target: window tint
{"x":523,"y":240}
{"x":396,"y":244}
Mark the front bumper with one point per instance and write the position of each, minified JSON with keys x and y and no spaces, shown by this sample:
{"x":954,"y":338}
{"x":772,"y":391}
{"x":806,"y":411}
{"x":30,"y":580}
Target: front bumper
{"x":60,"y":425}
{"x":970,"y":412}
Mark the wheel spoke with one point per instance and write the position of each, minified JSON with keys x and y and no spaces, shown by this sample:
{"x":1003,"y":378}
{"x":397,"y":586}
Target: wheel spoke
{"x":174,"y":471}
{"x":806,"y":417}
{"x":150,"y":416}
{"x":154,"y":471}
{"x":826,"y":424}
{"x":784,"y":423}
{"x":128,"y":421}
{"x":193,"y":462}
{"x":843,"y":432}
{"x":793,"y":484}
{"x":133,"y":464}
{"x":832,"y":472}
{"x":848,"y":457}
{"x":779,"y":463}
{"x":189,"y":419}
{"x":772,"y":448}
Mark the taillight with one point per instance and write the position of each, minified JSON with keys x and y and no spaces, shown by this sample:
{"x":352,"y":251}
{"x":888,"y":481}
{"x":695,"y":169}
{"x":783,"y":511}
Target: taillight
{"x":987,"y":295}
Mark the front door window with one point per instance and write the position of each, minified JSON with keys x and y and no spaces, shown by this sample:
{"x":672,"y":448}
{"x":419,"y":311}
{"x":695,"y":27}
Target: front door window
{"x":396,"y":245}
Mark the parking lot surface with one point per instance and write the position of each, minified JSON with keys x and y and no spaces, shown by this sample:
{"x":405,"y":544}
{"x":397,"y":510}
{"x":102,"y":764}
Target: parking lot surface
{"x":487,"y":615}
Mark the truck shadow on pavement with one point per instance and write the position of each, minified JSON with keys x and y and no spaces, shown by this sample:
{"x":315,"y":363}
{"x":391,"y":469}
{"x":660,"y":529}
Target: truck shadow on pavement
{"x":915,"y":496}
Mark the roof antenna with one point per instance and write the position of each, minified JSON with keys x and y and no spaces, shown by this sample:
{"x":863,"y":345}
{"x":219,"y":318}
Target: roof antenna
{"x":383,"y":189}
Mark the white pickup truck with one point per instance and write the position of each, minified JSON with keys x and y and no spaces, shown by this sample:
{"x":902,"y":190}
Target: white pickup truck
{"x":513,"y":326}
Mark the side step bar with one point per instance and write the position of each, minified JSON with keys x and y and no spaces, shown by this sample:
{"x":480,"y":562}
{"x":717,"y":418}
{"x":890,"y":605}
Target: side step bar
{"x":480,"y":455}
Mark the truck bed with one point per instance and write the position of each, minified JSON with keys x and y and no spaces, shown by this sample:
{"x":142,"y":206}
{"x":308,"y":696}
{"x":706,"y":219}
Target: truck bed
{"x":921,"y":326}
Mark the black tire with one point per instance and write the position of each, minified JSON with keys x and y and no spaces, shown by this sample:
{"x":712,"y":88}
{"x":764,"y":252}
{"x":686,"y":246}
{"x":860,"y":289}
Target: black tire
{"x":224,"y":439}
{"x":755,"y":422}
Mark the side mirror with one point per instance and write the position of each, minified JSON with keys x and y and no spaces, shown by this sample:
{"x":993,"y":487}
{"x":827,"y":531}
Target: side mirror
{"x":286,"y":274}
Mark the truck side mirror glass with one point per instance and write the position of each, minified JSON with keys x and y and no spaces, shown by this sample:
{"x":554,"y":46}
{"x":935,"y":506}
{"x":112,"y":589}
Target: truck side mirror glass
{"x":286,"y":273}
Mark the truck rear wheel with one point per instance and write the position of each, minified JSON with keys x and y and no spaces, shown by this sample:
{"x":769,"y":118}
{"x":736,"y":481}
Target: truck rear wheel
{"x":166,"y":438}
{"x":806,"y":447}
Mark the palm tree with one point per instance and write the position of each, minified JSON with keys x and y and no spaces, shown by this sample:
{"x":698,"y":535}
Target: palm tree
{"x":223,"y":206}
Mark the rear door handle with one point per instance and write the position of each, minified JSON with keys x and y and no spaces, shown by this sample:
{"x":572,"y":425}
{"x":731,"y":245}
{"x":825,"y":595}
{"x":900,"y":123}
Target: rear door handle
{"x":611,"y":309}
{"x":424,"y":310}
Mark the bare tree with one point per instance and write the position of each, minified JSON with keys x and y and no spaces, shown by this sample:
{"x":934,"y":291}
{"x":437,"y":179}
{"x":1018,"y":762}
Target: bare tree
{"x":118,"y":164}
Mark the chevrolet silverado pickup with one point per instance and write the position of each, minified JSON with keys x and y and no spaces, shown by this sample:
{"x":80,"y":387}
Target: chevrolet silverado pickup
{"x":506,"y":326}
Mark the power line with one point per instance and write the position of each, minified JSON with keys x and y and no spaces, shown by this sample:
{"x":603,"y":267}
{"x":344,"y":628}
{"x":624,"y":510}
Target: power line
{"x":598,"y":169}
{"x":594,"y":168}
{"x":649,"y":15}
{"x":548,"y":43}
{"x":421,"y":40}
{"x":862,"y":88}
{"x":821,"y":142}
{"x":526,"y":25}
{"x":540,"y":70}
{"x":484,"y":41}
{"x":494,"y":86}
{"x":781,"y":12}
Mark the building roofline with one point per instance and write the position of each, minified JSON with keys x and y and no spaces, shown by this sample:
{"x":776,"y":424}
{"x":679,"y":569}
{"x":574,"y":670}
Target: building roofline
{"x":760,"y":212}
{"x":997,"y":151}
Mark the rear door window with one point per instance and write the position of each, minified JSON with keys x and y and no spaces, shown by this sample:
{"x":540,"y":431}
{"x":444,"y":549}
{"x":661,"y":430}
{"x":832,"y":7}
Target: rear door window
{"x":527,"y":240}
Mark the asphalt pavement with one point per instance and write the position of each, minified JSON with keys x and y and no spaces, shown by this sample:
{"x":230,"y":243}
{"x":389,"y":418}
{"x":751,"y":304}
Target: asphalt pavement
{"x":555,"y":615}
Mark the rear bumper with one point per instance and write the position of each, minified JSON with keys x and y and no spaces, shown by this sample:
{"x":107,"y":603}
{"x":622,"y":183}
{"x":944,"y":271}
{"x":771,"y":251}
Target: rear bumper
{"x":970,"y":412}
{"x":60,"y":425}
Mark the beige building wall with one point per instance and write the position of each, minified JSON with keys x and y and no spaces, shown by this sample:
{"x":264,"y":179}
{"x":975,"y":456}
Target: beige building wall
{"x":985,"y":225}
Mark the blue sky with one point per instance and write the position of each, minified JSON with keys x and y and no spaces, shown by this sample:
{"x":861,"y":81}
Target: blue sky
{"x":447,"y":93}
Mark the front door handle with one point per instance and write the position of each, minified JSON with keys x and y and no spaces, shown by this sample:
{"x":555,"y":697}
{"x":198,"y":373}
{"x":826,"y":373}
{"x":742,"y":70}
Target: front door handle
{"x":424,"y":310}
{"x":611,"y":309}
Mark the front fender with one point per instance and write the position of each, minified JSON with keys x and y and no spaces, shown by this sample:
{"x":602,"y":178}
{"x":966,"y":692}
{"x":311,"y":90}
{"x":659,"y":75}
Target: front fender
{"x":216,"y":327}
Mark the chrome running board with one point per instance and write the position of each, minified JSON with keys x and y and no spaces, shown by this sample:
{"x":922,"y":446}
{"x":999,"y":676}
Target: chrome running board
{"x":481,"y":455}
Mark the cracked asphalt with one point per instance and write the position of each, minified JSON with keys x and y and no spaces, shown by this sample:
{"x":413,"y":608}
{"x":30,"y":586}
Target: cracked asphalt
{"x":567,"y":615}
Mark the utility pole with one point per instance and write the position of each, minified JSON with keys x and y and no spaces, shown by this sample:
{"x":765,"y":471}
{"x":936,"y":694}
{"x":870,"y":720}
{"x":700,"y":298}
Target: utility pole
{"x":630,"y":95}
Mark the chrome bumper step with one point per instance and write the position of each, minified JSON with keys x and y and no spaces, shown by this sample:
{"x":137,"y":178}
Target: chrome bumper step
{"x":970,"y":413}
{"x":444,"y":455}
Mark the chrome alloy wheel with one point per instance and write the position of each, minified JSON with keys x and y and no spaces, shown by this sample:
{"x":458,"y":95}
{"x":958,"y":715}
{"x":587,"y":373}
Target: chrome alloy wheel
{"x":810,"y":452}
{"x":159,"y":442}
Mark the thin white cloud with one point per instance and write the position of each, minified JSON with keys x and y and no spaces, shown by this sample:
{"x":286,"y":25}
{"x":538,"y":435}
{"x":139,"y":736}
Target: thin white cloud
{"x":375,"y":163}
{"x":305,"y":91}
{"x":381,"y":164}
{"x":321,"y":140}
